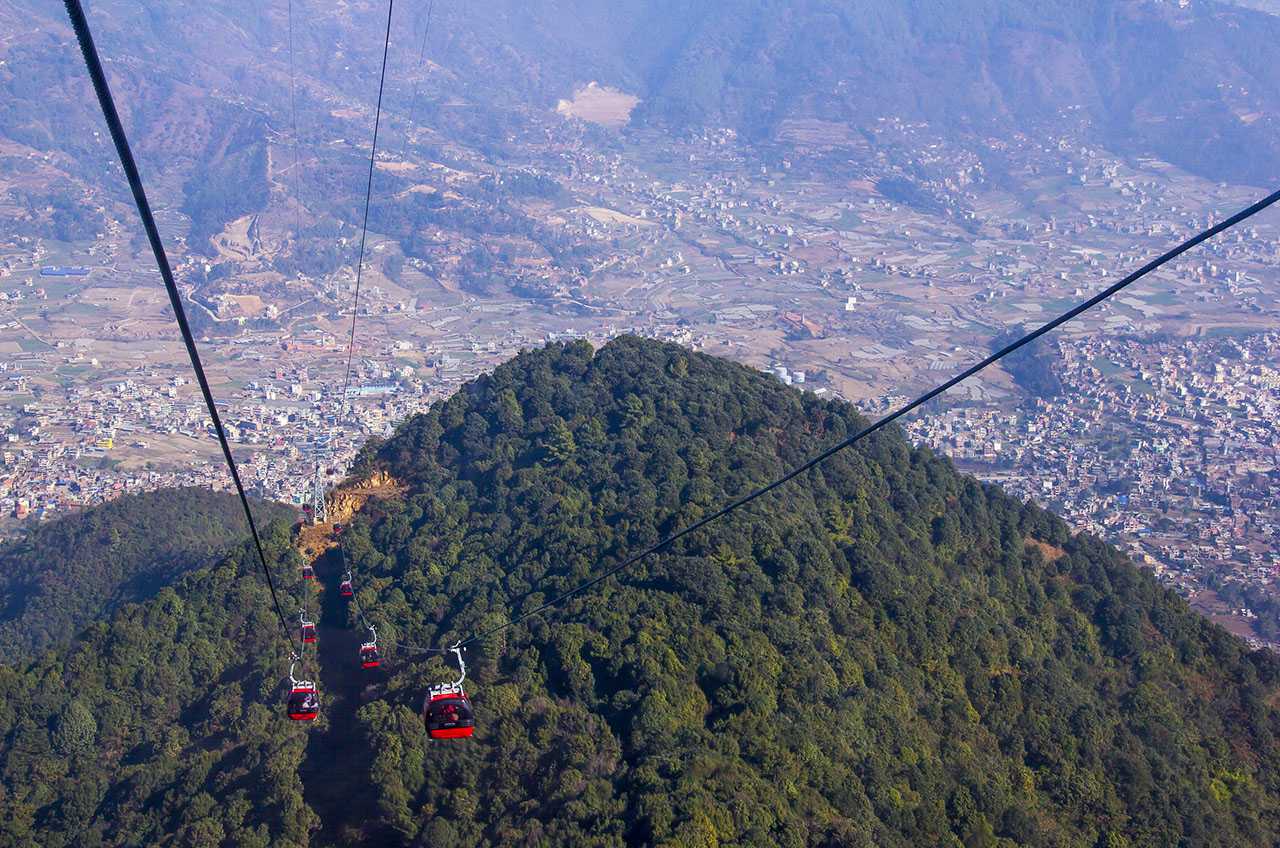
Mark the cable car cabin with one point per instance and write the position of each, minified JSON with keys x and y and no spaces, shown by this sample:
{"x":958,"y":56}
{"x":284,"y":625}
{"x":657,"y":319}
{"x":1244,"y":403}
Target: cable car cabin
{"x":447,"y":713}
{"x":337,"y":528}
{"x":308,"y":573}
{"x":304,"y":703}
{"x":308,"y":632}
{"x":369,"y":657}
{"x":345,"y":590}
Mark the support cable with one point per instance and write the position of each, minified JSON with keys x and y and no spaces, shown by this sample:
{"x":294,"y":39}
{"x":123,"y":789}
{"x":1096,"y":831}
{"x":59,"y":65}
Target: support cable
{"x":368,"y":194}
{"x":293,"y":121}
{"x":297,"y":216}
{"x":413,"y":104}
{"x":1163,"y":259}
{"x":355,"y":600}
{"x":94,"y":65}
{"x":422,"y":56}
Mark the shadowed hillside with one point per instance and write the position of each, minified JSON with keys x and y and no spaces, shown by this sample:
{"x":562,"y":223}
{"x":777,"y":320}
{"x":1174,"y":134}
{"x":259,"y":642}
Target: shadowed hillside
{"x":67,"y":573}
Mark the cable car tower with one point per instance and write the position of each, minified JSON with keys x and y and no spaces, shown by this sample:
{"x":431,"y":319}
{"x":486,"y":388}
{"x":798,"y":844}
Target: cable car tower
{"x":319,"y":512}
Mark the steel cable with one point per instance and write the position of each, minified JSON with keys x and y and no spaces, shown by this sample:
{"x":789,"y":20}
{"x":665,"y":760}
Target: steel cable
{"x":94,"y":64}
{"x":742,"y":501}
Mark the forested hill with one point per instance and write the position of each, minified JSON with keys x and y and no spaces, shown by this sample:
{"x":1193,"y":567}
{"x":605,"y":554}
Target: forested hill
{"x":162,"y":724}
{"x":66,"y":573}
{"x":888,"y":654}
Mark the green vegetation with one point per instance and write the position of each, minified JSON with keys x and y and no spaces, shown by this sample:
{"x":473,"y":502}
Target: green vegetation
{"x":161,"y":727}
{"x":65,"y":574}
{"x":878,"y":657}
{"x":891,"y":654}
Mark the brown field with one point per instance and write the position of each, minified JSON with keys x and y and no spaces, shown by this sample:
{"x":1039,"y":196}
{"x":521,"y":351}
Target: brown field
{"x":248,"y":304}
{"x":396,"y":167}
{"x":599,"y":105}
{"x":817,"y":133}
{"x":162,"y":450}
{"x":613,"y":216}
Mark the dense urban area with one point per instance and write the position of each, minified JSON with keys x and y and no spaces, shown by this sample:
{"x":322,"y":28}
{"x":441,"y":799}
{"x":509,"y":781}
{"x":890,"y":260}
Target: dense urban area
{"x":1152,"y":423}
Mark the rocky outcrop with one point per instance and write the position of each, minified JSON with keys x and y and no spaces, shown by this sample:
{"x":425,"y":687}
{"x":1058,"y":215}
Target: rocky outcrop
{"x":346,"y":500}
{"x":342,"y":503}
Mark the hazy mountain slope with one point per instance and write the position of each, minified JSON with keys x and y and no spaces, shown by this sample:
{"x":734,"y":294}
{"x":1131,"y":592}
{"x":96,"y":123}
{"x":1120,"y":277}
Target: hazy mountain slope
{"x":202,"y":90}
{"x":891,"y":654}
{"x":160,"y":726}
{"x":66,"y":573}
{"x":1191,"y":85}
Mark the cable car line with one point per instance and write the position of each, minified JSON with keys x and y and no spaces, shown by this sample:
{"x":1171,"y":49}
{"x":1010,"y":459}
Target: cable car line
{"x":407,"y":647}
{"x":422,"y":55}
{"x":373,"y":150}
{"x":100,"y":86}
{"x":346,"y":587}
{"x":1146,"y":269}
{"x":368,"y":194}
{"x":447,"y":710}
{"x":355,"y":600}
{"x":293,"y":120}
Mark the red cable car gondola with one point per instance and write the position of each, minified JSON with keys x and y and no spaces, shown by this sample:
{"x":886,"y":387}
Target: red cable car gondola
{"x":369,"y":657}
{"x":308,"y":573}
{"x":447,"y":710}
{"x":344,"y":588}
{"x":448,"y":714}
{"x":307,"y":628}
{"x":303,"y":703}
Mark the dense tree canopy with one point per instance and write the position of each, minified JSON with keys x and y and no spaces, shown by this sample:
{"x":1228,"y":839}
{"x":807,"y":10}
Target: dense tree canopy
{"x":64,"y":574}
{"x":161,"y":726}
{"x":886,"y":653}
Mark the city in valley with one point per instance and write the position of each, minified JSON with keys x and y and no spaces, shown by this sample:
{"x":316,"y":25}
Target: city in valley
{"x":866,"y":268}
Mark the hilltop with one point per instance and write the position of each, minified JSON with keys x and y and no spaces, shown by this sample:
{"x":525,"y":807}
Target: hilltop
{"x":887,"y":654}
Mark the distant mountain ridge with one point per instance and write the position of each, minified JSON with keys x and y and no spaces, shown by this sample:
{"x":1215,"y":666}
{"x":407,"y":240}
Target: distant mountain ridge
{"x":1192,"y":84}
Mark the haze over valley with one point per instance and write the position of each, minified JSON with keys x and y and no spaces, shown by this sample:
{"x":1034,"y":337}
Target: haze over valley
{"x":859,"y":198}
